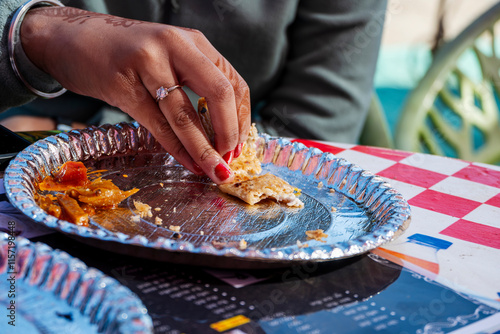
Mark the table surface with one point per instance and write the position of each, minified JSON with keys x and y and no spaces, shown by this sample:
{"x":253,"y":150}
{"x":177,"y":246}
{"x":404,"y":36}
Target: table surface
{"x":451,"y":248}
{"x":456,"y":204}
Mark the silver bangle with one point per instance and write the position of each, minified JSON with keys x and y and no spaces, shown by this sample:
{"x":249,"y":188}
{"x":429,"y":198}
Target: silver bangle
{"x":15,"y":46}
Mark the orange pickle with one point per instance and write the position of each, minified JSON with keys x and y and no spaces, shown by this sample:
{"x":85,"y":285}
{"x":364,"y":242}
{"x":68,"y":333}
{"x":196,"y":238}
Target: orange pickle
{"x":78,"y":198}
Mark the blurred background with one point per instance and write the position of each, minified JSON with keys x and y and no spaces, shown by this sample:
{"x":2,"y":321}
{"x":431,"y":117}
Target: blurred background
{"x":414,"y":31}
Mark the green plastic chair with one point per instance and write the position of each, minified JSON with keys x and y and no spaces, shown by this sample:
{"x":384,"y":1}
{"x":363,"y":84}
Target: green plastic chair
{"x":376,"y":130}
{"x":454,"y":111}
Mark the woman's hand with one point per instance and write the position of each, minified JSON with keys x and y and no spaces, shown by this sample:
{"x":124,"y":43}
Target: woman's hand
{"x":123,"y":62}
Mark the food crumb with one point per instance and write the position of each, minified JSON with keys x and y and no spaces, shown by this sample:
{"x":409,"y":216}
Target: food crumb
{"x":332,"y":190}
{"x":175,"y":210}
{"x":125,"y":175}
{"x":135,"y":218}
{"x":334,"y":209}
{"x":161,"y":184}
{"x":317,"y":235}
{"x":143,"y":209}
{"x":157,"y":209}
{"x":175,"y":228}
{"x":301,"y":245}
{"x":177,"y":235}
{"x":320,"y":184}
{"x":242,"y":244}
{"x":202,"y":233}
{"x":158,"y":221}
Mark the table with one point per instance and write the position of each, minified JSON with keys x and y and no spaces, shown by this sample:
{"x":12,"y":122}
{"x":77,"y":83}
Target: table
{"x":442,"y":274}
{"x":455,"y":215}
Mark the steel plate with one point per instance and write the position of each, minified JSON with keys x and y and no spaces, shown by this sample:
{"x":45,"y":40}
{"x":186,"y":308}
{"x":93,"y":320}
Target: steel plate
{"x":49,"y":291}
{"x":358,"y":210}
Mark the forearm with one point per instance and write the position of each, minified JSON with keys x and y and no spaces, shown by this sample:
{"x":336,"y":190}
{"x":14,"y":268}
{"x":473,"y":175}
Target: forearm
{"x":54,"y":38}
{"x":12,"y":91}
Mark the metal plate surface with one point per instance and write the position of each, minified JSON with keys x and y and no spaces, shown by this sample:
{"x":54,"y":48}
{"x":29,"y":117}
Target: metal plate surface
{"x":49,"y":291}
{"x":357,"y":209}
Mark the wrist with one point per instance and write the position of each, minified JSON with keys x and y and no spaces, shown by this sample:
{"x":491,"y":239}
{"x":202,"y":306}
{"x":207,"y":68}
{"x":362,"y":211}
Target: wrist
{"x":29,"y":67}
{"x":33,"y":37}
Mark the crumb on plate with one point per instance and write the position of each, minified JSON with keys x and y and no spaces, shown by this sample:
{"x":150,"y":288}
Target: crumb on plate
{"x":158,"y":220}
{"x":175,"y":228}
{"x":142,"y":209}
{"x":317,"y":235}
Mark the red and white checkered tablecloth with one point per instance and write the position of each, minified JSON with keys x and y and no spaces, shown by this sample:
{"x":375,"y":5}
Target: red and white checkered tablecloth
{"x":454,"y":235}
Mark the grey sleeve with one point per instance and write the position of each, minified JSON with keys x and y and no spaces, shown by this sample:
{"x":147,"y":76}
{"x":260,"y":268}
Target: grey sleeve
{"x":12,"y":91}
{"x":327,"y":82}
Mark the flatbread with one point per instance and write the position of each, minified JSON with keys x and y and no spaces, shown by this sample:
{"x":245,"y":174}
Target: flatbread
{"x":261,"y":187}
{"x":248,"y":185}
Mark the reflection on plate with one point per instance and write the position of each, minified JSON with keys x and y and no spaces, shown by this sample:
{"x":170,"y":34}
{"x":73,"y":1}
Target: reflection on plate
{"x":48,"y":291}
{"x":357,"y":209}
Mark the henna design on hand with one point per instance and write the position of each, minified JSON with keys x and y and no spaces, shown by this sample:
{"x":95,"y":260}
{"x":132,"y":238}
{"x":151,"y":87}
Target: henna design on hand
{"x":76,"y":15}
{"x":228,"y":70}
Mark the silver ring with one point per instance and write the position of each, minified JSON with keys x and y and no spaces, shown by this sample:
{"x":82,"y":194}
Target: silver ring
{"x":162,"y":93}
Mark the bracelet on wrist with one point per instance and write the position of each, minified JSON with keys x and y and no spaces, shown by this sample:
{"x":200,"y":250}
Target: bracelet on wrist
{"x":15,"y":47}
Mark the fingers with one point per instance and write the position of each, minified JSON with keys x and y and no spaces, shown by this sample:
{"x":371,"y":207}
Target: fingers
{"x":227,"y":95}
{"x":174,"y":123}
{"x":244,"y":119}
{"x":240,"y":87}
{"x":186,"y":125}
{"x":241,"y":92}
{"x":173,"y":120}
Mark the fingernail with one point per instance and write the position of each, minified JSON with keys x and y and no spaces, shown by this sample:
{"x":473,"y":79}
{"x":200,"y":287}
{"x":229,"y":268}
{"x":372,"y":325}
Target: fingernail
{"x":222,"y":172}
{"x":238,"y":150}
{"x":228,"y":157}
{"x":198,"y":170}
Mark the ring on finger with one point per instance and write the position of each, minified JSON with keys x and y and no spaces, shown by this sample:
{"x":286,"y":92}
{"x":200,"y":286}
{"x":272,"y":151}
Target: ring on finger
{"x":163,"y":92}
